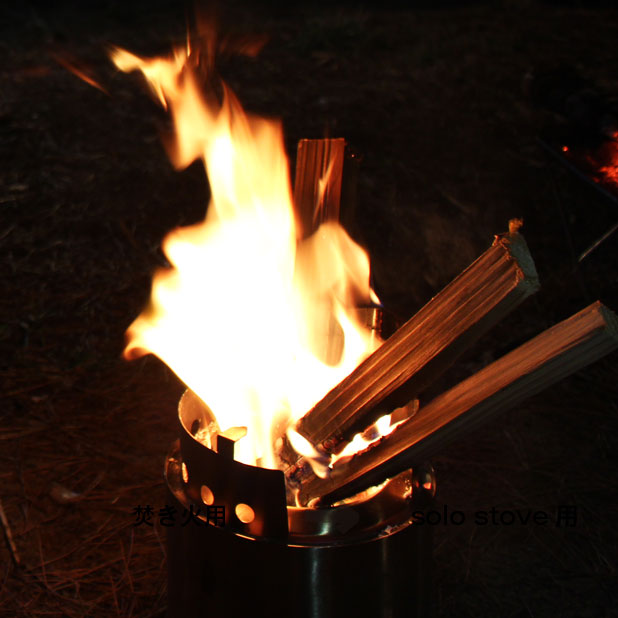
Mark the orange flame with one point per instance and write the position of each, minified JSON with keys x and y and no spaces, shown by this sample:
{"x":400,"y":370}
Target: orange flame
{"x":243,"y":317}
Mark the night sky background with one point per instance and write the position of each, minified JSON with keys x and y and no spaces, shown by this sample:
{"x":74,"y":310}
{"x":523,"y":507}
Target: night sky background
{"x":451,"y":109}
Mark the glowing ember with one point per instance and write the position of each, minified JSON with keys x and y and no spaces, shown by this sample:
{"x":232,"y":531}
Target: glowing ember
{"x":610,"y":171}
{"x":243,"y":315}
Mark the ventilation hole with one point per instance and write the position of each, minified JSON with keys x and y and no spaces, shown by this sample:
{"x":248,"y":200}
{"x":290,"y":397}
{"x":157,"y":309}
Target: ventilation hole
{"x":245,"y":513}
{"x":185,"y":473}
{"x":195,"y":426}
{"x":207,"y":496}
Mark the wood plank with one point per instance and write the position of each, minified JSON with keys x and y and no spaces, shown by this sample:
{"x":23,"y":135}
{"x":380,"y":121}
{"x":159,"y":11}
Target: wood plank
{"x":497,"y":282}
{"x":317,"y":182}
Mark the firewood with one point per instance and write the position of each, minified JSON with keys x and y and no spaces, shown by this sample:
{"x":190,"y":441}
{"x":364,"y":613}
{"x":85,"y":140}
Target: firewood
{"x":556,"y":353}
{"x":317,"y":183}
{"x":498,"y":281}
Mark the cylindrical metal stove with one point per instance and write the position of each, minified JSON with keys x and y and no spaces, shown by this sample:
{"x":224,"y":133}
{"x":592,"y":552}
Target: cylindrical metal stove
{"x":257,"y":556}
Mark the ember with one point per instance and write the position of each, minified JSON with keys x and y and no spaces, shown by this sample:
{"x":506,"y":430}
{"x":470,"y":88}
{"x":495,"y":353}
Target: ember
{"x":610,"y":169}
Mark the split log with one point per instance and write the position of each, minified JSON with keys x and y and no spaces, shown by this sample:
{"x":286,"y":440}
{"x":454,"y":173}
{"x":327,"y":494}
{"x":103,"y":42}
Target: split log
{"x":424,"y":347}
{"x":551,"y":356}
{"x":318,"y":182}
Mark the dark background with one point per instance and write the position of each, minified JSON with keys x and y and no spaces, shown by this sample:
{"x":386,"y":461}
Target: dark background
{"x":432,"y":100}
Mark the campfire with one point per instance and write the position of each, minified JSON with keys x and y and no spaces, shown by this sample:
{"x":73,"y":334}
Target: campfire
{"x":300,"y":422}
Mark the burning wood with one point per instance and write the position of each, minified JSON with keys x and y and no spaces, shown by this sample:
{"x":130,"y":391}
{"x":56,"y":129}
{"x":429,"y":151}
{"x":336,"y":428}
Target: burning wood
{"x":317,"y":184}
{"x":556,"y":353}
{"x":426,"y":345}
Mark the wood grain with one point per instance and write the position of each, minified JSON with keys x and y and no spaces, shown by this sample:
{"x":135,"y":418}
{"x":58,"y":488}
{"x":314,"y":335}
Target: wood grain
{"x":497,"y":282}
{"x":317,"y":182}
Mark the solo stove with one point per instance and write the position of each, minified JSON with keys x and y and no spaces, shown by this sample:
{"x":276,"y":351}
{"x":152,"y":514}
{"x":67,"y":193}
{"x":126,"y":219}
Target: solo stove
{"x":362,"y":557}
{"x":361,"y":554}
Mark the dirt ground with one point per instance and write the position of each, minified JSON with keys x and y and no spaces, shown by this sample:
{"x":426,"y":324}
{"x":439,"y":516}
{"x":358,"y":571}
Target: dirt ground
{"x":431,"y":99}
